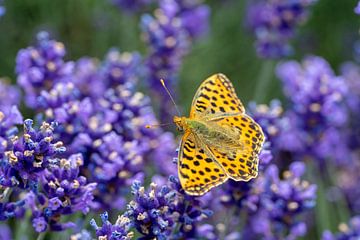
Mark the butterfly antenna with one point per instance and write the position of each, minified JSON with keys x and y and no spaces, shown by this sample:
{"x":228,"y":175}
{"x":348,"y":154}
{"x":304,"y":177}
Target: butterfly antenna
{"x":156,"y":125}
{"x":168,"y":92}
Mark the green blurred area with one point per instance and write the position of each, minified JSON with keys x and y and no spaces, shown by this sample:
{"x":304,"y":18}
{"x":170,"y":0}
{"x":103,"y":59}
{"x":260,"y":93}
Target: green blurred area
{"x":90,"y":28}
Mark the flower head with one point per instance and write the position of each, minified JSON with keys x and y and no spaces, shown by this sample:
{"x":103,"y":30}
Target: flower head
{"x":39,"y":67}
{"x":346,"y":231}
{"x":274,"y":23}
{"x":62,"y":192}
{"x":30,"y":155}
{"x":118,"y":231}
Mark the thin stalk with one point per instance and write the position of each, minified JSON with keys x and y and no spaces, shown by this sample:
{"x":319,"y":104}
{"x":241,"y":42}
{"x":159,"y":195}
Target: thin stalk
{"x":41,"y":236}
{"x":263,"y":81}
{"x":341,"y":203}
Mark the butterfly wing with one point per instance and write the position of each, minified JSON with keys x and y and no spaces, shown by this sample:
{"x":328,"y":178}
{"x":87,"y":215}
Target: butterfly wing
{"x":240,"y":163}
{"x":198,"y":171}
{"x":216,"y":95}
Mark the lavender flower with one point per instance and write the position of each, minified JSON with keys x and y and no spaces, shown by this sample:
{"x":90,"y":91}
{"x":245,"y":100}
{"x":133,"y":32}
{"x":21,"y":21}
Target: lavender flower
{"x":63,"y":192}
{"x":118,"y":231}
{"x":168,"y":35}
{"x":150,"y":211}
{"x":107,"y":124}
{"x":8,"y":130}
{"x":39,"y":67}
{"x":11,"y":209}
{"x":167,"y":212}
{"x":357,"y":9}
{"x":318,"y":113}
{"x":132,"y":5}
{"x":346,"y":231}
{"x":121,"y":68}
{"x":274,"y":205}
{"x":30,"y":155}
{"x":274,"y":23}
{"x":5,"y":232}
{"x":2,"y":8}
{"x":9,"y":96}
{"x":168,"y":43}
{"x":351,"y":73}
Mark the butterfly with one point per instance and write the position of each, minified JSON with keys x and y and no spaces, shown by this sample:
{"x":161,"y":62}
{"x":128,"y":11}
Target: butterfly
{"x":220,"y":140}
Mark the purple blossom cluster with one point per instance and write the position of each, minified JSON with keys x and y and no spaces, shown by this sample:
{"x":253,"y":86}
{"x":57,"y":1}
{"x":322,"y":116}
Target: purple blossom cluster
{"x":164,"y":212}
{"x":168,"y":35}
{"x":320,"y":124}
{"x":39,"y":68}
{"x":357,"y":8}
{"x":103,"y":116}
{"x":132,"y":5}
{"x":346,"y":231}
{"x":274,"y":24}
{"x":306,"y":127}
{"x":275,"y":203}
{"x":2,"y":8}
{"x":63,"y":192}
{"x":9,"y":96}
{"x":33,"y":172}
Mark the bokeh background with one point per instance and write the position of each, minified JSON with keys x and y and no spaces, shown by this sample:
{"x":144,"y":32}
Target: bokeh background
{"x":331,"y":31}
{"x":91,"y":28}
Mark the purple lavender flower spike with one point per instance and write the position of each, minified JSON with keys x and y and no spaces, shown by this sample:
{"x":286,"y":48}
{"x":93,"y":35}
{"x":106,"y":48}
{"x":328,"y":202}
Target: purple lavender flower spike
{"x":9,"y":96}
{"x":351,"y":73}
{"x":132,"y":5}
{"x":2,"y":8}
{"x":166,"y":212}
{"x":11,"y":209}
{"x":122,"y":68}
{"x":274,"y":24}
{"x":38,"y":68}
{"x":169,"y":34}
{"x":109,"y":128}
{"x":357,"y":9}
{"x":318,"y":112}
{"x":168,"y":43}
{"x":150,"y":211}
{"x":118,"y":231}
{"x":82,"y":235}
{"x":346,"y":231}
{"x":30,"y":155}
{"x":274,"y":205}
{"x":5,"y":232}
{"x":63,"y":192}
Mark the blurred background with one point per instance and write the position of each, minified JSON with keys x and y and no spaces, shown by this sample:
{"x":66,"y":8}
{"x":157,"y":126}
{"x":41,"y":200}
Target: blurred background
{"x":91,"y":28}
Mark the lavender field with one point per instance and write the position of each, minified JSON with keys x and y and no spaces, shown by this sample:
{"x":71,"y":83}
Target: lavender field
{"x":80,"y":85}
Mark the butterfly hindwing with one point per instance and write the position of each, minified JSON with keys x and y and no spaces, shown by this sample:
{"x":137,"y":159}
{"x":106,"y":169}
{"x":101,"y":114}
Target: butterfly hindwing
{"x":198,"y":172}
{"x":216,"y":95}
{"x":240,"y":163}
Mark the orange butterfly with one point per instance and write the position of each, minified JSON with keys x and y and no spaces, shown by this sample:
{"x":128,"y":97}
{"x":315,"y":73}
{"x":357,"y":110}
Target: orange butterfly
{"x":220,"y":140}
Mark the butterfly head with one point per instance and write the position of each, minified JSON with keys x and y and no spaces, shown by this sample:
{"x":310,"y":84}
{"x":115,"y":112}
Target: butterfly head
{"x":180,"y":123}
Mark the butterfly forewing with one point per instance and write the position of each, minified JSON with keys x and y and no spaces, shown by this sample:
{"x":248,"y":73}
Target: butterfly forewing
{"x":216,"y":95}
{"x":198,"y":172}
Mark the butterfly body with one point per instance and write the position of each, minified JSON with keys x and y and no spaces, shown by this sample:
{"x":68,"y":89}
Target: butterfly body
{"x":211,"y":133}
{"x":220,"y":140}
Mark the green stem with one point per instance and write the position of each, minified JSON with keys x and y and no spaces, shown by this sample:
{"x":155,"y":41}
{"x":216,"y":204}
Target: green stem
{"x":263,"y":81}
{"x":41,"y":236}
{"x":22,"y":230}
{"x":341,"y":203}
